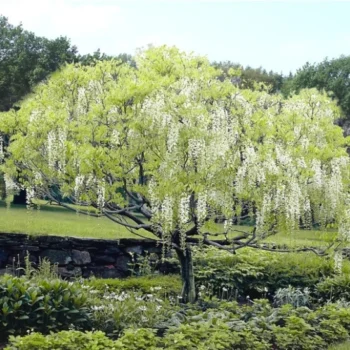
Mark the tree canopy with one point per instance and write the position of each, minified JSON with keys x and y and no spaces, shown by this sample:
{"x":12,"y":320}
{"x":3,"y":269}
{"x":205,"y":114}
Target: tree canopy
{"x":169,"y":148}
{"x":330,"y":75}
{"x":250,"y":78}
{"x":26,"y":59}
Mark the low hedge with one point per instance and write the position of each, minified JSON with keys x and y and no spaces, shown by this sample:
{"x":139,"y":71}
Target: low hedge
{"x":40,"y":305}
{"x":223,"y":326}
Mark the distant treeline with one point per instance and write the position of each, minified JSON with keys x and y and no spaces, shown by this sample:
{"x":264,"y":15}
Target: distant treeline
{"x":27,"y":59}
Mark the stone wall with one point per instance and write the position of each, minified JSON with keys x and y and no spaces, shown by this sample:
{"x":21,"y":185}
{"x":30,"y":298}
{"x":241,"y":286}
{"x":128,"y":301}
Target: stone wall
{"x":80,"y":256}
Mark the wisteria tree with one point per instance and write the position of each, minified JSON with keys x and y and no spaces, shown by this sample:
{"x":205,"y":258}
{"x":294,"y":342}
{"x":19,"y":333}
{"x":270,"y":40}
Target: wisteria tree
{"x":168,"y":149}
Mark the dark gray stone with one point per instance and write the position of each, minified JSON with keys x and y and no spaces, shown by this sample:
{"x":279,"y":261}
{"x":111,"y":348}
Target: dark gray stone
{"x":105,"y":272}
{"x":61,"y":245}
{"x":3,"y":256}
{"x":122,"y":263}
{"x":105,"y":259}
{"x":156,"y":250}
{"x":29,"y":248}
{"x":69,"y":272}
{"x":81,"y":257}
{"x":137,"y":249}
{"x":56,"y":256}
{"x":20,"y":257}
{"x":113,"y":251}
{"x":52,"y":239}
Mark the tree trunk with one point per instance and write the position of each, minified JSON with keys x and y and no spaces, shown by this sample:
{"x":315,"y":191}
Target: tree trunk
{"x":188,"y":286}
{"x":20,"y":198}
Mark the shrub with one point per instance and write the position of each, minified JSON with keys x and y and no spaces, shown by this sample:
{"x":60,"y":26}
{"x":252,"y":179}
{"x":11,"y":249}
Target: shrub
{"x":40,"y":305}
{"x":292,"y":296}
{"x":161,"y":285}
{"x":334,"y":288}
{"x":65,"y":340}
{"x":224,"y":326}
{"x":297,"y":334}
{"x":257,"y":273}
{"x":115,"y":312}
{"x":138,"y":339}
{"x":214,"y":334}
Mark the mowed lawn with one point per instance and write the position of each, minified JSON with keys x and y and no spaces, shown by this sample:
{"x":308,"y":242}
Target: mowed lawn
{"x":55,"y":220}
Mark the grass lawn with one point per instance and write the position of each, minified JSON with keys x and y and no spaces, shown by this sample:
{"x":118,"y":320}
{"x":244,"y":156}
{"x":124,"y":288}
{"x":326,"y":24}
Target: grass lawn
{"x":344,"y":346}
{"x":55,"y":220}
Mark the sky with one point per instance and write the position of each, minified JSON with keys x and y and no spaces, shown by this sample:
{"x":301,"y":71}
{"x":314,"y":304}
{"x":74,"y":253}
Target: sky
{"x":277,"y":35}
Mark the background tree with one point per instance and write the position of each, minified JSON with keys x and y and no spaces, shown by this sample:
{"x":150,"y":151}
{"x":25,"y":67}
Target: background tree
{"x":332,"y":76}
{"x":185,"y":148}
{"x":90,"y":59}
{"x":250,"y":78}
{"x":26,"y":59}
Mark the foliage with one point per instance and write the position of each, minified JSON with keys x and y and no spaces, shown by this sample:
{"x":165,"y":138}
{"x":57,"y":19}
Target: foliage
{"x":330,"y":75}
{"x":168,"y":148}
{"x":67,"y":340}
{"x":334,"y":288}
{"x":342,"y":346}
{"x":139,"y":339}
{"x":26,"y":60}
{"x":161,"y":285}
{"x":40,"y":305}
{"x":292,"y":296}
{"x":114,"y":312}
{"x":256,"y":273}
{"x":135,"y":103}
{"x":222,"y":325}
{"x":250,"y":78}
{"x":211,"y":335}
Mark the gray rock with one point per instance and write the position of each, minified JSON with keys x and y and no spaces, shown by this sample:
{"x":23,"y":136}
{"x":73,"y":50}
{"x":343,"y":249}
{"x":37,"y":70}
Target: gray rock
{"x":69,"y":273}
{"x":122,"y":263}
{"x":81,"y":257}
{"x":104,"y":259}
{"x":105,"y":272}
{"x":113,"y":251}
{"x":3,"y":256}
{"x":29,"y":248}
{"x":137,"y":249}
{"x":57,"y":256}
{"x":156,"y":250}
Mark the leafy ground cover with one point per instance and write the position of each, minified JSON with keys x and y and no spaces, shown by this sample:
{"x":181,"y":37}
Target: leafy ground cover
{"x":308,"y":307}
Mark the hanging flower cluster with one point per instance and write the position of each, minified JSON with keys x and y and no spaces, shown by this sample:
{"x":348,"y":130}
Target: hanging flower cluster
{"x":338,"y":261}
{"x":30,"y":196}
{"x":2,"y":155}
{"x":11,"y":186}
{"x":56,"y":150}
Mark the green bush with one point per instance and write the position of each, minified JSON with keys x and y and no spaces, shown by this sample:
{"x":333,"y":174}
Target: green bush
{"x":114,"y":312}
{"x":162,"y":285}
{"x":139,"y":339}
{"x":40,"y":305}
{"x":224,"y":325}
{"x":342,"y":346}
{"x":257,"y":273}
{"x":334,"y":288}
{"x":65,"y":340}
{"x":213,"y":334}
